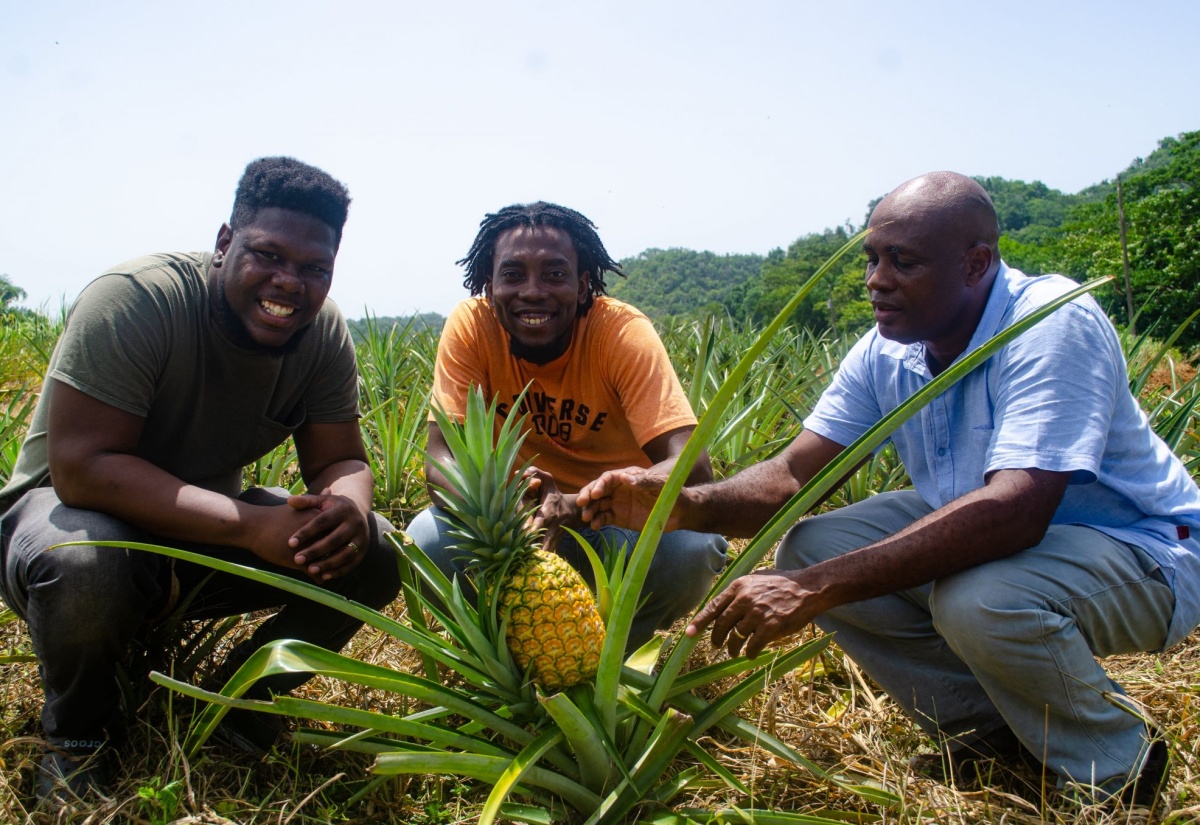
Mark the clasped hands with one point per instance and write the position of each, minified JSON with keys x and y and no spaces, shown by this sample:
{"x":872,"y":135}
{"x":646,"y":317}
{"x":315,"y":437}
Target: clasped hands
{"x":324,"y":534}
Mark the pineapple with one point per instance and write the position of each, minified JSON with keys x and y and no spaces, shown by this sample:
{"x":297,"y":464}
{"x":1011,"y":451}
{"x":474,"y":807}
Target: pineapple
{"x":537,"y":600}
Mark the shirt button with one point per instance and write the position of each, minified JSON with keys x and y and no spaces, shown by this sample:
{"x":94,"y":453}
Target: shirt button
{"x":941,"y":450}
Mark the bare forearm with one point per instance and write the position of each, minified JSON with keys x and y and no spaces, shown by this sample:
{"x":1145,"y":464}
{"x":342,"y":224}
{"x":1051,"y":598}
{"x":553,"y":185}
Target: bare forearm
{"x":701,"y":471}
{"x":740,"y":505}
{"x":991,"y":523}
{"x":148,"y":497}
{"x":350,"y":478}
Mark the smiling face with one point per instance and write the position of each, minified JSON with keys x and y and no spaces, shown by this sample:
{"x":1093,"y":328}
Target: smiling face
{"x":274,"y":274}
{"x":929,"y":270}
{"x":536,"y":290}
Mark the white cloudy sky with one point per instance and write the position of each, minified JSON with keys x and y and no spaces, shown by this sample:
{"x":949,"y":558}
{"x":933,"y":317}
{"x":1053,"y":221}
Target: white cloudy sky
{"x":733,"y":127}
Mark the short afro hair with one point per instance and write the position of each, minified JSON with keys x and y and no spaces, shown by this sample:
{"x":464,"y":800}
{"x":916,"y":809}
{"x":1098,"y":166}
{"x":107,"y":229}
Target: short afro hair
{"x":593,"y":257}
{"x":287,"y":183}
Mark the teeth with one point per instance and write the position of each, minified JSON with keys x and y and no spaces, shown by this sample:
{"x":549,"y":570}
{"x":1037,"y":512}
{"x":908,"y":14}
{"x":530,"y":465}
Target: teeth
{"x":535,"y":320}
{"x":278,"y":310}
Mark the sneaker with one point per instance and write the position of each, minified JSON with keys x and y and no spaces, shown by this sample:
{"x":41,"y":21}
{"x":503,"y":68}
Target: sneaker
{"x":975,"y":763}
{"x":251,"y":731}
{"x":69,"y":774}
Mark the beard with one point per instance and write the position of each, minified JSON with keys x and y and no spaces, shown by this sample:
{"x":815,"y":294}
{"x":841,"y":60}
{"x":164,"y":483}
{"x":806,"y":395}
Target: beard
{"x":236,"y":330}
{"x":540,"y":355}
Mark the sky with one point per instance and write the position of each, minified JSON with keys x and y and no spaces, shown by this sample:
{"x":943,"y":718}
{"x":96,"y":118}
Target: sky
{"x":734,"y":128}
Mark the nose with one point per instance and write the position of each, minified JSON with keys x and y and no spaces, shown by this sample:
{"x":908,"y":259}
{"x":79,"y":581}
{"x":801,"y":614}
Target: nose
{"x":287,"y":277}
{"x":532,"y":289}
{"x":879,"y":279}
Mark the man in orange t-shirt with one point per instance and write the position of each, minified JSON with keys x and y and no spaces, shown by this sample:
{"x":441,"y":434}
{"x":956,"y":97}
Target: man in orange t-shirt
{"x":602,"y":392}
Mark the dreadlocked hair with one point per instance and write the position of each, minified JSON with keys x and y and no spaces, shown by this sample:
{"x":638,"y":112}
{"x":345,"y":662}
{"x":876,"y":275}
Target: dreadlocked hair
{"x":593,"y":257}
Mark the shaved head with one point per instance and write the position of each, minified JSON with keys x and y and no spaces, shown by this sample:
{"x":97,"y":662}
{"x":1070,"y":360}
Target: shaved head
{"x":932,"y":256}
{"x":952,"y":205}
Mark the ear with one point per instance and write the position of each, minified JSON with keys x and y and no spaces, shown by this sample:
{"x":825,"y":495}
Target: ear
{"x":980,"y":258}
{"x":224,"y":239}
{"x":487,"y":290}
{"x":585,"y":282}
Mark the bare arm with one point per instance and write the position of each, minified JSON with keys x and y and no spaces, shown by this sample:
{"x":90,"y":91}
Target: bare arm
{"x":1010,"y":513}
{"x":437,"y":448}
{"x":93,"y":463}
{"x":559,"y":509}
{"x":737,"y":506}
{"x":665,"y":449}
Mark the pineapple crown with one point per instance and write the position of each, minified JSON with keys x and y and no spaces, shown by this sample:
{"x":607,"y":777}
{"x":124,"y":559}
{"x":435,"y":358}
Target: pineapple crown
{"x":486,"y":492}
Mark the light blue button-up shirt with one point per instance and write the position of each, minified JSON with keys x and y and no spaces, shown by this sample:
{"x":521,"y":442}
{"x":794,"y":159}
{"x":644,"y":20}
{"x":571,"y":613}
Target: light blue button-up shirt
{"x":1057,"y":399}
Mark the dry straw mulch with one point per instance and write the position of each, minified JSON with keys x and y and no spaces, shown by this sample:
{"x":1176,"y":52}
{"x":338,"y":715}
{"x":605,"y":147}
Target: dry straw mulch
{"x":829,"y":711}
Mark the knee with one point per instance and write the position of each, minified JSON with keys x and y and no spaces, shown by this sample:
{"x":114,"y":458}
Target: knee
{"x":88,"y":593}
{"x":684,"y":568}
{"x":977,"y":613}
{"x":800,"y":546}
{"x":429,"y":533}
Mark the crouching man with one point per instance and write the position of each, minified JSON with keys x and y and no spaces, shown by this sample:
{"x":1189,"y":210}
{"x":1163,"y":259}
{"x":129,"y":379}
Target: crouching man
{"x":174,"y":372}
{"x":602,"y":393}
{"x":1048,"y":525}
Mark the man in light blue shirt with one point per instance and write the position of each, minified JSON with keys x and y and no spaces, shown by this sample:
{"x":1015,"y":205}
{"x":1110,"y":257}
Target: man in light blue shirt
{"x":1048,"y":524}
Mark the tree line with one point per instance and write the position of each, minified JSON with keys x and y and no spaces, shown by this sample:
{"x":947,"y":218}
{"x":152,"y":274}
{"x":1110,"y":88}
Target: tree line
{"x":1042,"y":230}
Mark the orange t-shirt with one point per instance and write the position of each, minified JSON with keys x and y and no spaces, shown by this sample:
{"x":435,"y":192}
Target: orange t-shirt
{"x":590,"y":410}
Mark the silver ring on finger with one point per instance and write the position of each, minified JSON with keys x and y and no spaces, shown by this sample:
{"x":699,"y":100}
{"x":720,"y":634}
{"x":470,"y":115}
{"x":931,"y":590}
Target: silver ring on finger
{"x":353,"y":547}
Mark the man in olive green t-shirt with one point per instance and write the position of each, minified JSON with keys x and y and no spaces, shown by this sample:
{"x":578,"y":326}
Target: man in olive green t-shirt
{"x":172,"y":374}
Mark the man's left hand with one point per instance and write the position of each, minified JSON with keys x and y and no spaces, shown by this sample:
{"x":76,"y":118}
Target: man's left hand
{"x":756,"y":610}
{"x":335,"y":541}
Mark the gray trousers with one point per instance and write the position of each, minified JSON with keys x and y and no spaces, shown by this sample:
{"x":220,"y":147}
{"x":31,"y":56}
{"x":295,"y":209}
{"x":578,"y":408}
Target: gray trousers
{"x":1012,"y":642}
{"x":85,"y":605}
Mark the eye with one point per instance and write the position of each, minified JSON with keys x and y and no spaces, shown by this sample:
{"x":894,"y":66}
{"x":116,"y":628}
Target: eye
{"x":556,"y":275}
{"x":267,"y":255}
{"x":317,"y":271}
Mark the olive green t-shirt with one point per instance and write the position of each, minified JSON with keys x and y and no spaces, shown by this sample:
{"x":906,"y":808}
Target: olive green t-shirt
{"x":143,"y":338}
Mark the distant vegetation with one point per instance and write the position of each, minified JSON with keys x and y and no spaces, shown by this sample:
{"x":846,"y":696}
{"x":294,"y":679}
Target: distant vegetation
{"x":1043,"y":230}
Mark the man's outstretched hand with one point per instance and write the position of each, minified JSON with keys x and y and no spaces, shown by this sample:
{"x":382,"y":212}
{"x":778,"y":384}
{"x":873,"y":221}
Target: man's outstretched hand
{"x":624,"y":498}
{"x":756,"y":610}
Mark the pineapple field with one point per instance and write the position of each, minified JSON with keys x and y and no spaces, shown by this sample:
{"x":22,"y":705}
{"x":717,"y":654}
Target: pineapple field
{"x":517,"y":702}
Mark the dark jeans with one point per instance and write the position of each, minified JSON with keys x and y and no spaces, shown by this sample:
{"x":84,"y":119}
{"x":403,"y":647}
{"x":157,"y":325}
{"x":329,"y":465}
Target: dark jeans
{"x":85,"y":605}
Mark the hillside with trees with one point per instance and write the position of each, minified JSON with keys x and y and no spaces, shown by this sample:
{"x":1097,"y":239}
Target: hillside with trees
{"x":1043,"y":230}
{"x":675,"y":282}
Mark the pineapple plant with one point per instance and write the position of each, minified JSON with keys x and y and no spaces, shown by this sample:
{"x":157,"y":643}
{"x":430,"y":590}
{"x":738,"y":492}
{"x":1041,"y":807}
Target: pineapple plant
{"x":608,"y":746}
{"x":533,"y":598}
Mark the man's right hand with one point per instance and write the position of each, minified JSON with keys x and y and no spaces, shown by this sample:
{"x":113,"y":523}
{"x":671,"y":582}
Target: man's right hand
{"x":625,"y":498}
{"x":273,"y":528}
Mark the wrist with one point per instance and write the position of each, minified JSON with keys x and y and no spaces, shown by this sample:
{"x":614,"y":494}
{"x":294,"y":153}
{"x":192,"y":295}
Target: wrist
{"x":690,"y":509}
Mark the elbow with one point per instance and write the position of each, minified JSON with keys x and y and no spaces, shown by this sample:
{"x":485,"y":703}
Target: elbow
{"x":70,"y":488}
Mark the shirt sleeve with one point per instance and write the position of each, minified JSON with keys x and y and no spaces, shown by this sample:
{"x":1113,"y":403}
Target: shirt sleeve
{"x":651,"y":396}
{"x":849,"y":406}
{"x":458,"y":366}
{"x":115,"y":344}
{"x":333,"y":396}
{"x":1055,"y":391}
